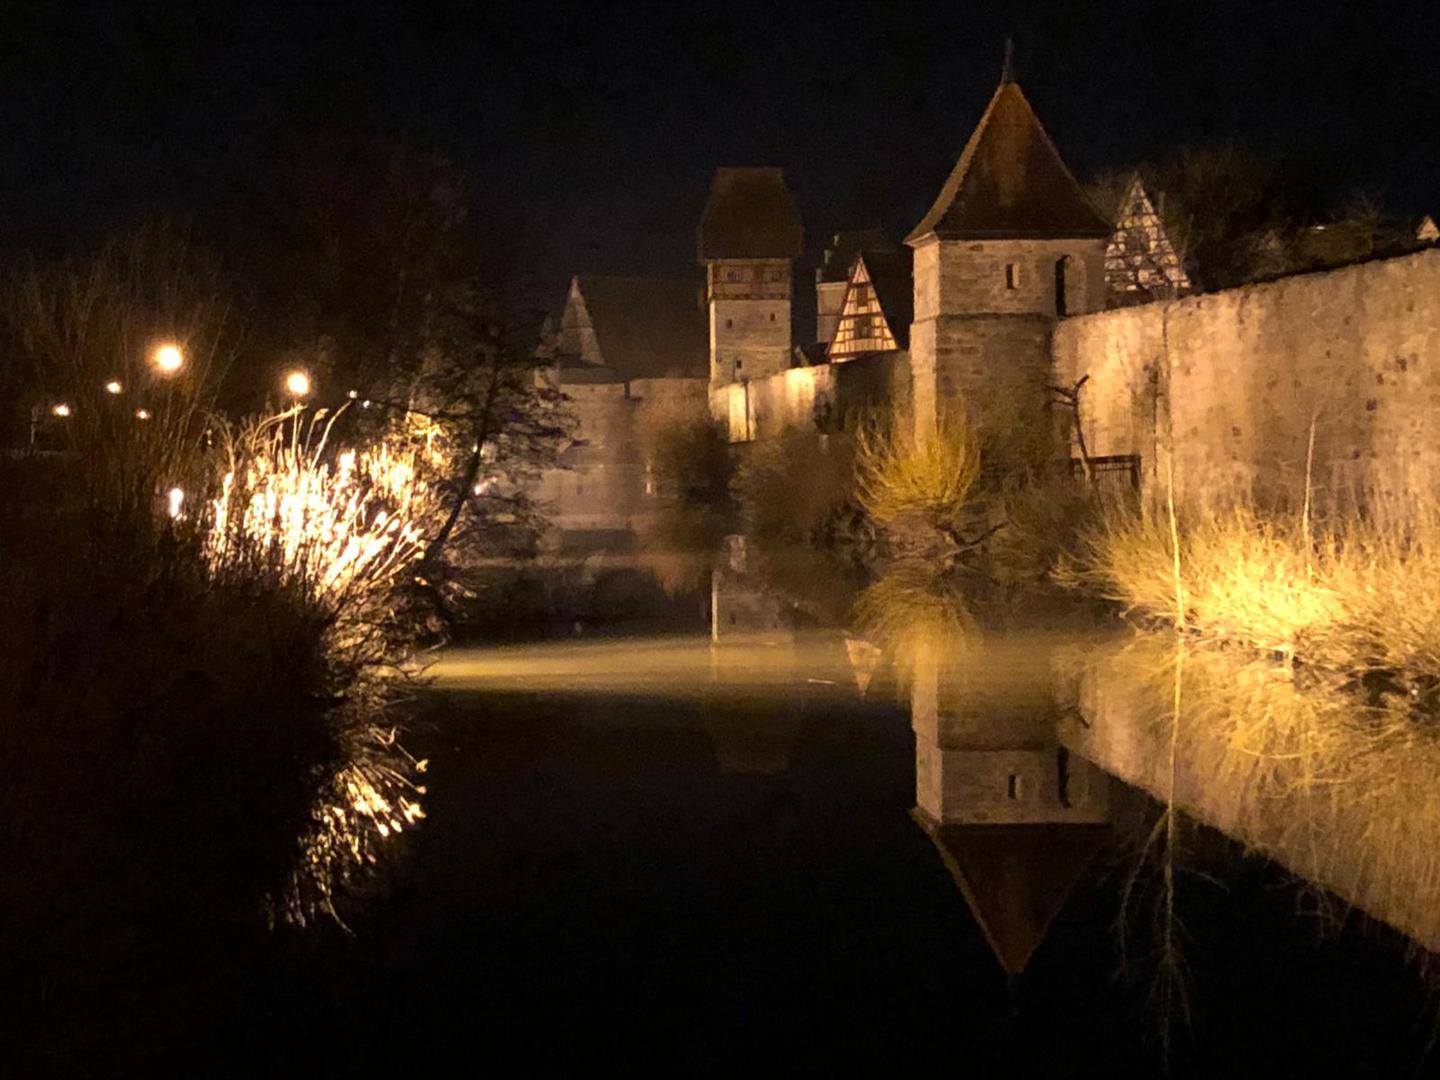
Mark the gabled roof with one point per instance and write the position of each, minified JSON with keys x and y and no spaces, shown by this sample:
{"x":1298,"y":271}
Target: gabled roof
{"x":750,"y":214}
{"x":1140,"y":261}
{"x":875,"y":314}
{"x":1010,"y":182}
{"x":845,"y":246}
{"x":647,"y":328}
{"x":1015,"y":878}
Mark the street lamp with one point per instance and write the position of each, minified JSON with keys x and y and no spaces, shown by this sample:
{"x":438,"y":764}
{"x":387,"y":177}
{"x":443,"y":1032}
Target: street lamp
{"x":167,"y":358}
{"x":113,"y":387}
{"x":297,"y":383}
{"x":61,"y":410}
{"x":142,"y":414}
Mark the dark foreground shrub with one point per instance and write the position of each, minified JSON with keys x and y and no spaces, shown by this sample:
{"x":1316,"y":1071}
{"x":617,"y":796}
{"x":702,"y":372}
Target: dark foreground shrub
{"x":196,"y":746}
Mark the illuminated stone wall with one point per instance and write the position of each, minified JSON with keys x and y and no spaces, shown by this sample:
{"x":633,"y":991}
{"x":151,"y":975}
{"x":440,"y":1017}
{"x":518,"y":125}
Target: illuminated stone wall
{"x":1233,"y":381}
{"x":749,"y":312}
{"x":604,"y":484}
{"x":983,"y":315}
{"x":797,"y":397}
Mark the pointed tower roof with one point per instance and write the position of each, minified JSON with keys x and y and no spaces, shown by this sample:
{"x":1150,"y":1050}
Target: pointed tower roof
{"x":1015,"y":878}
{"x":1010,"y":182}
{"x":750,"y":214}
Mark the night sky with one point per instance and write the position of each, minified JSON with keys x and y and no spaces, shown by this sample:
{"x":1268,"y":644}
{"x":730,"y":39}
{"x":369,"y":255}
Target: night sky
{"x":590,"y":133}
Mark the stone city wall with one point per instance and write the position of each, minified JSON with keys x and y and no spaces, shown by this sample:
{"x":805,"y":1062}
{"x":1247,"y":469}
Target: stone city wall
{"x":1234,"y":381}
{"x":798,"y":397}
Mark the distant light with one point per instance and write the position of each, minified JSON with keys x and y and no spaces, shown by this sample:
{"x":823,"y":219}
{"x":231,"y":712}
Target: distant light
{"x":354,"y":394}
{"x":297,"y":383}
{"x":365,"y":404}
{"x":176,"y":498}
{"x":113,"y":387}
{"x":142,"y":414}
{"x":168,"y":359}
{"x":62,"y":410}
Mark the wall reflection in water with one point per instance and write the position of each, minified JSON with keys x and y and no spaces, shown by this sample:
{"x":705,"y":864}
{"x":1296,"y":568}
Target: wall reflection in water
{"x":1019,"y":732}
{"x":1340,"y":793}
{"x":1034,"y":748}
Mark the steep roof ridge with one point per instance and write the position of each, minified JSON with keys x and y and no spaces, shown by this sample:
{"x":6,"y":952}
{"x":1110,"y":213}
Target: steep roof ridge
{"x":933,"y":221}
{"x":645,"y":326}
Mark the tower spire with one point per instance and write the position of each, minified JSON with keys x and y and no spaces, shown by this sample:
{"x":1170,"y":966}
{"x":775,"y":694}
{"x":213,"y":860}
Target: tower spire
{"x":1007,"y":73}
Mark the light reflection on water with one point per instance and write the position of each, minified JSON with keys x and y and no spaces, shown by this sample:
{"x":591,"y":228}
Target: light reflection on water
{"x":1341,"y":794}
{"x":360,"y":810}
{"x":1022,"y":729}
{"x":663,"y":667}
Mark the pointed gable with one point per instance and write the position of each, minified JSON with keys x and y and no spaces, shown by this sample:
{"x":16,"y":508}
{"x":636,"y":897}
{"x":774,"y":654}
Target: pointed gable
{"x":635,"y":328}
{"x":1010,"y":183}
{"x":1140,"y":261}
{"x":750,"y":214}
{"x":1015,"y":878}
{"x":875,"y":316}
{"x":1426,"y":230}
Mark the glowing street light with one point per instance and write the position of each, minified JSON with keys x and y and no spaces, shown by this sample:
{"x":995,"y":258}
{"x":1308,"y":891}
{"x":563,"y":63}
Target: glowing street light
{"x":142,"y":414}
{"x":297,"y":383}
{"x":168,"y":359}
{"x":61,"y":410}
{"x":113,"y":387}
{"x":176,"y":498}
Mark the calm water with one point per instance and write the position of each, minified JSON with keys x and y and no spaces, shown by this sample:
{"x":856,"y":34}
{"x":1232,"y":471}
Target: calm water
{"x":669,"y":854}
{"x":684,"y":855}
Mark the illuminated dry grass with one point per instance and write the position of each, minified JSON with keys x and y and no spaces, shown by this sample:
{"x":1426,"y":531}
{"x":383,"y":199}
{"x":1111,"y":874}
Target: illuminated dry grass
{"x":1355,"y":594}
{"x":341,"y":529}
{"x":1295,"y":710}
{"x":899,"y":473}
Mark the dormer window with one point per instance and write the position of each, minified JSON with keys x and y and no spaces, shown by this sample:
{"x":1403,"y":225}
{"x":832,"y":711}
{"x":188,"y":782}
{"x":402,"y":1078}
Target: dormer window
{"x":1012,"y":275}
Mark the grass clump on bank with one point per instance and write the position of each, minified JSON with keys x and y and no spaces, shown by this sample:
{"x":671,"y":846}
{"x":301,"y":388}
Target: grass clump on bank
{"x":902,"y":478}
{"x":1357,"y":593}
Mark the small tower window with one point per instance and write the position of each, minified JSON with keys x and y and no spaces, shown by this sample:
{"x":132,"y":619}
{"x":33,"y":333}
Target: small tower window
{"x":1014,"y":786}
{"x":729,"y":323}
{"x":1061,"y":264}
{"x":1012,"y":275}
{"x":772,"y":316}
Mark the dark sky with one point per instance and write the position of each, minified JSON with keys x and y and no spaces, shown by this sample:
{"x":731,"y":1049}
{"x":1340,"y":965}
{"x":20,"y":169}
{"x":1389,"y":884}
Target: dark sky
{"x":589,"y":133}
